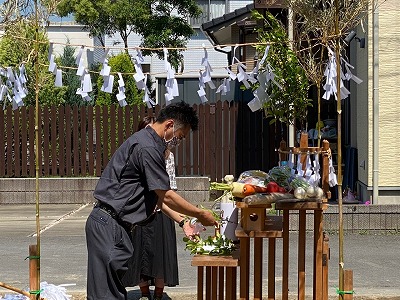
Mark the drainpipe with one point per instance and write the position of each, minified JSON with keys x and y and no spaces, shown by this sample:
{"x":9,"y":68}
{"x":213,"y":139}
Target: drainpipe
{"x":228,"y":54}
{"x":375,"y":99}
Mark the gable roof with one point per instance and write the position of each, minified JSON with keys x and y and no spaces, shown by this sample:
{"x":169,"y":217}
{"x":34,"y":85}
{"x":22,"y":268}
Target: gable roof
{"x":218,"y":30}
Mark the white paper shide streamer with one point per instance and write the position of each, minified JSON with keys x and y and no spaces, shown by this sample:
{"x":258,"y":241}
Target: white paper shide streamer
{"x":14,"y":88}
{"x":171,"y":83}
{"x":121,"y":91}
{"x":205,"y":77}
{"x":330,"y":86}
{"x":141,"y":79}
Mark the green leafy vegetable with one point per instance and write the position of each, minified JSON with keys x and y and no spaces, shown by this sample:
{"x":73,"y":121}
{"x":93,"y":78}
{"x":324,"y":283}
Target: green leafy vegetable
{"x":213,"y":245}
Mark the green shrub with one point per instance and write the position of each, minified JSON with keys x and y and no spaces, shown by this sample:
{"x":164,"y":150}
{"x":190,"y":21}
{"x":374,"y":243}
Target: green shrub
{"x":120,"y":63}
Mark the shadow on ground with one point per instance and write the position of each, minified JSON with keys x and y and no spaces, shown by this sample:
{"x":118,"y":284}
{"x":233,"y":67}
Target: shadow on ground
{"x":135,"y":295}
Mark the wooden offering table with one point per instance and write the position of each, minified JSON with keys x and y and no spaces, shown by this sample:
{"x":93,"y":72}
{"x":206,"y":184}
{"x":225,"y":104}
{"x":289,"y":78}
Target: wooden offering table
{"x":320,"y":250}
{"x":256,"y":224}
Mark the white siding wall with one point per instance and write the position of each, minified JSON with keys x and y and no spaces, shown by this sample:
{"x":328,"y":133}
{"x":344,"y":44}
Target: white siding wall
{"x":389,"y":107}
{"x":235,"y":4}
{"x":60,"y":33}
{"x":192,"y":56}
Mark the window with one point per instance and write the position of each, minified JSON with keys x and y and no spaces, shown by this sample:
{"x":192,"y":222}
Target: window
{"x":210,"y":9}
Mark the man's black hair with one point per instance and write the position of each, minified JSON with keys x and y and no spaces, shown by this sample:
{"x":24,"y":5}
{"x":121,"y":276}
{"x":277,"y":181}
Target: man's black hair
{"x":181,"y":112}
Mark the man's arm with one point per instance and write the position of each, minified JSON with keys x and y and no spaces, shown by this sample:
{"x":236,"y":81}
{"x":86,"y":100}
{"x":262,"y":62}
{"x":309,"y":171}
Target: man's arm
{"x":177,"y":217}
{"x":180,"y":205}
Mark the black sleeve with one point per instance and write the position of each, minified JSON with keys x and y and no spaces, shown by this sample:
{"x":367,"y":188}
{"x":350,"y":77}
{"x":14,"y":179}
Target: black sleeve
{"x":153,"y":164}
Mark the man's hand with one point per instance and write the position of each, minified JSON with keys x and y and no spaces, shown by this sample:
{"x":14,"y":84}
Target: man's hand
{"x":192,"y":230}
{"x":206,"y":218}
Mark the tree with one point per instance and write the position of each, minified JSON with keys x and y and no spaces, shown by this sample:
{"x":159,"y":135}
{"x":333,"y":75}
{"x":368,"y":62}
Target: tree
{"x":160,"y":23}
{"x":315,"y":33}
{"x":289,"y":102}
{"x":17,"y":47}
{"x":12,"y":11}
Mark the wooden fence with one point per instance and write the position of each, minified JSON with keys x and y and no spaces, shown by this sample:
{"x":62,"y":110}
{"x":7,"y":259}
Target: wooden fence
{"x":79,"y":141}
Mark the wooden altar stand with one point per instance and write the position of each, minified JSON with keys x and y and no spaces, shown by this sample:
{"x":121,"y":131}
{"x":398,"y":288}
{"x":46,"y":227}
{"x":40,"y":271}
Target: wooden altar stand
{"x":256,"y":225}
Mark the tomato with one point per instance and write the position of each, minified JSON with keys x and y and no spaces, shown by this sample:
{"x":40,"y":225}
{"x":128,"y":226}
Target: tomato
{"x":272,"y":187}
{"x":281,"y":190}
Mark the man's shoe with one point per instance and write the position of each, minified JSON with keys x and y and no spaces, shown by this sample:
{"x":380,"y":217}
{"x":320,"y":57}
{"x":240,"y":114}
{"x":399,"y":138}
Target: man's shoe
{"x":157,"y":298}
{"x":145,"y":298}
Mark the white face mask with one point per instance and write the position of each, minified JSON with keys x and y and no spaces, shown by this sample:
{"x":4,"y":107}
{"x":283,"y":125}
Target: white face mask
{"x":173,"y":142}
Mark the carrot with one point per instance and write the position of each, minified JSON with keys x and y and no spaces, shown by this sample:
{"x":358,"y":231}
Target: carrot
{"x":248,"y":190}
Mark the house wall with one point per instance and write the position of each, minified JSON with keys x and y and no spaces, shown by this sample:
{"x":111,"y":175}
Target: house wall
{"x":360,"y":103}
{"x":235,"y":4}
{"x":389,"y":110}
{"x":62,"y":32}
{"x":192,"y":56}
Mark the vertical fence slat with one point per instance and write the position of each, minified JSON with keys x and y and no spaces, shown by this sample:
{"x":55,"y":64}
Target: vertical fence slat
{"x":46,"y":141}
{"x":179,"y":159}
{"x":225,"y":139}
{"x":105,"y":136}
{"x":83,"y":141}
{"x":75,"y":140}
{"x":54,"y":141}
{"x":90,"y":141}
{"x":61,"y":141}
{"x":135,"y":118}
{"x":188,"y":157}
{"x":218,"y":140}
{"x":68,"y":158}
{"x":9,"y":130}
{"x":195,"y":148}
{"x":127,"y":118}
{"x":98,"y":142}
{"x":202,"y":133}
{"x":232,"y":138}
{"x":24,"y":142}
{"x":17,"y":154}
{"x":32,"y":142}
{"x":113,"y":141}
{"x":209,"y":115}
{"x":120,"y":126}
{"x":40,"y":144}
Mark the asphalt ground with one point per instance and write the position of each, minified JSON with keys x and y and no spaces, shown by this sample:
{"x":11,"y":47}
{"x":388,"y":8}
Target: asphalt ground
{"x":374,"y":258}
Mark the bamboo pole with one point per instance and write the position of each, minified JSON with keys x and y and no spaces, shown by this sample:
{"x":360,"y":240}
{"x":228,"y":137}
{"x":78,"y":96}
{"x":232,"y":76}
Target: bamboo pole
{"x":339,"y":150}
{"x":37,"y":141}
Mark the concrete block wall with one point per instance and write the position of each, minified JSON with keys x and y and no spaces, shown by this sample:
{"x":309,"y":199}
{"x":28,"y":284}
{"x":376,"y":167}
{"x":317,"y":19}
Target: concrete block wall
{"x":356,"y":218}
{"x":80,"y":190}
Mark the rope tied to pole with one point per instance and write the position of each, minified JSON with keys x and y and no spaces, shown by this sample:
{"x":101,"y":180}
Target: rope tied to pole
{"x":32,"y":257}
{"x":32,"y":292}
{"x":340,"y":292}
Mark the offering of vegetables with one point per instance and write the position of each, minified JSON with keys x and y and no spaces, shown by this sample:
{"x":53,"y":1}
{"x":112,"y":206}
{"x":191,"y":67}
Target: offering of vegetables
{"x":238,"y":189}
{"x":283,"y":176}
{"x":241,"y":190}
